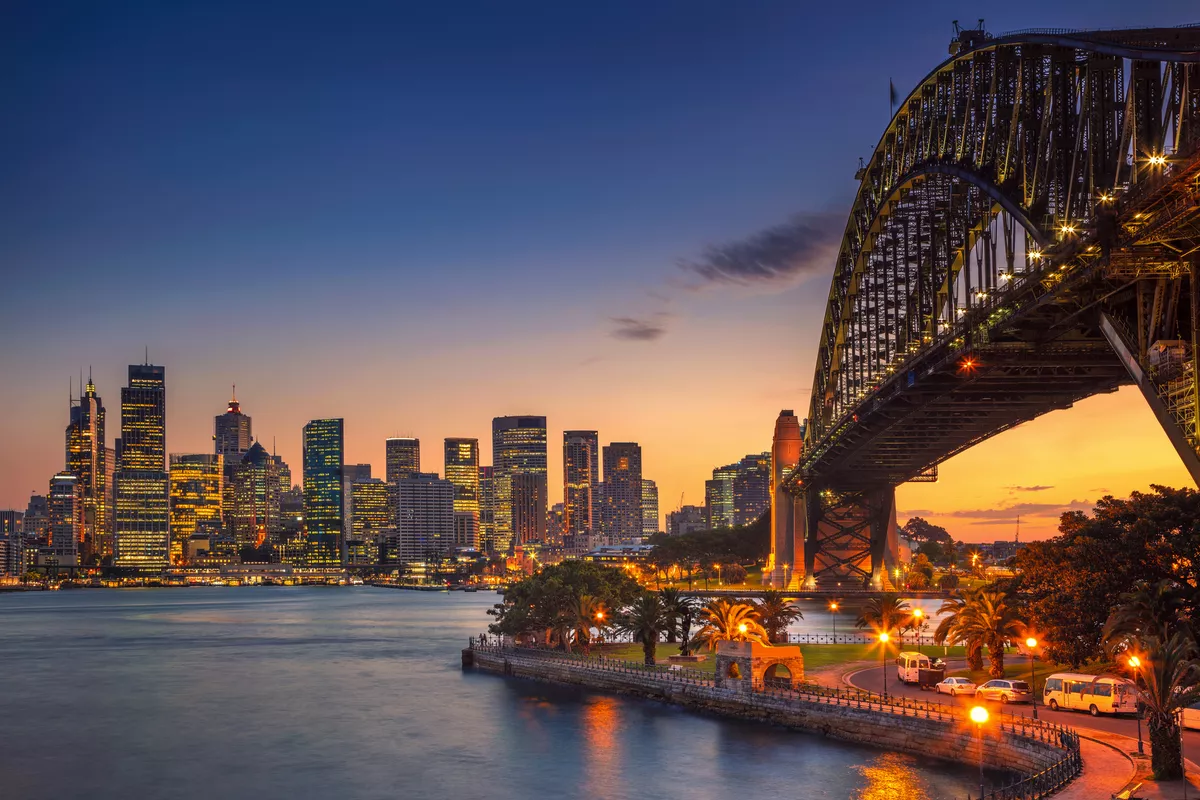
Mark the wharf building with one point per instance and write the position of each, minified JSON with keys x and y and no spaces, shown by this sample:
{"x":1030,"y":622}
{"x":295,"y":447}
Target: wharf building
{"x":424,"y":519}
{"x":142,"y":532}
{"x":520,"y":480}
{"x":462,"y":470}
{"x":197,"y":500}
{"x":323,"y":456}
{"x":86,"y":460}
{"x":623,"y":493}
{"x":581,"y":496}
{"x":403,"y":458}
{"x":487,"y":511}
{"x":649,"y":508}
{"x":66,"y":520}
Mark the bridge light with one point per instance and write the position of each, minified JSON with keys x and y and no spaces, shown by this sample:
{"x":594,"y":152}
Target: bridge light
{"x":1006,"y":276}
{"x":1158,"y":160}
{"x":1106,"y":198}
{"x":1067,"y":230}
{"x":967,"y":365}
{"x":1035,"y":254}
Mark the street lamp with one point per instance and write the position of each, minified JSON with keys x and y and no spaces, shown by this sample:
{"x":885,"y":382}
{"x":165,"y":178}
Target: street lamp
{"x":1031,"y":643}
{"x":833,"y":607}
{"x":918,"y":615}
{"x":1135,"y":664}
{"x":979,"y":715}
{"x":883,"y":640}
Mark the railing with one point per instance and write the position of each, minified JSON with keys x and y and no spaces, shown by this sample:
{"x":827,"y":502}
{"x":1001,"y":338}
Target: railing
{"x":858,"y":638}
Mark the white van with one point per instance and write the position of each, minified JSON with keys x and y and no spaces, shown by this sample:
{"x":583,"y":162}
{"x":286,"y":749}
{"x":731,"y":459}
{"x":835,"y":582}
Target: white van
{"x":1096,"y":694}
{"x":909,"y":665}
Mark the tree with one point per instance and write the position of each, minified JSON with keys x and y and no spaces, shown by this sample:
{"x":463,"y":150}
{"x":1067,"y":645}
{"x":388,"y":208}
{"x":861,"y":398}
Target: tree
{"x":954,"y":628}
{"x":918,"y":581}
{"x":589,"y":612}
{"x":1147,"y":624}
{"x":993,"y":620}
{"x":920,"y":530}
{"x":934,"y":551}
{"x":538,"y":604}
{"x":681,"y":610}
{"x":884,"y":613}
{"x":730,"y":622}
{"x":921,"y":564}
{"x":948,"y":582}
{"x":775,"y":614}
{"x":644,"y":620}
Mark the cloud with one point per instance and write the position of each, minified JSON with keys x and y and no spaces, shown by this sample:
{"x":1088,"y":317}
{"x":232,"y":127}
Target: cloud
{"x":986,"y":516}
{"x":780,"y":255}
{"x":635,"y":329}
{"x":1038,"y":488}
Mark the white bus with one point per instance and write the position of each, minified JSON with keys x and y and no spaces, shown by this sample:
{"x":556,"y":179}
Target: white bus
{"x":1096,"y":694}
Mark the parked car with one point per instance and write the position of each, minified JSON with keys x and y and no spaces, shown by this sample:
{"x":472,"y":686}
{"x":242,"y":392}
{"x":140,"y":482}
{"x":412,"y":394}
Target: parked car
{"x":1096,"y":694}
{"x":955,"y":686}
{"x":1005,"y":691}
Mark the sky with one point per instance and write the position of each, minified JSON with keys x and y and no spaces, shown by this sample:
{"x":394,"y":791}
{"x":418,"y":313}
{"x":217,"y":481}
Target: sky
{"x":421,"y":216}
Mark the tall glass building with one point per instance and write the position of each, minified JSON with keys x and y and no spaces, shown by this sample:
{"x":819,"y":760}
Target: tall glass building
{"x":649,"y":508}
{"x":197,"y":495}
{"x":142,"y":532}
{"x":66,"y":518}
{"x":403,"y":458}
{"x":86,"y":453}
{"x":255,"y":516}
{"x":623,"y":493}
{"x":231,"y":432}
{"x":324,"y":448}
{"x":487,"y":510}
{"x":462,"y":470}
{"x":581,"y":474}
{"x":519,"y":448}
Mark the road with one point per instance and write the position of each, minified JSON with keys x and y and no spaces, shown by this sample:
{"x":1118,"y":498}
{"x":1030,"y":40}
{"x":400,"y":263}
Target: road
{"x":872,"y":681}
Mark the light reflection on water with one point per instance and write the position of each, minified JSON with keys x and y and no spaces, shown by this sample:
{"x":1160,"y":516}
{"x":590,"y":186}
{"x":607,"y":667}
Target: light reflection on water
{"x":245,"y":692}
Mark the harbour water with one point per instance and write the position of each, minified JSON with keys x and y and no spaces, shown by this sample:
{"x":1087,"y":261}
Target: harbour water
{"x":256,"y":692}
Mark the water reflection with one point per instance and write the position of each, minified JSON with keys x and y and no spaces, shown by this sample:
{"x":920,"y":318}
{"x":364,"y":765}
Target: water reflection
{"x":600,"y":724}
{"x":892,"y":775}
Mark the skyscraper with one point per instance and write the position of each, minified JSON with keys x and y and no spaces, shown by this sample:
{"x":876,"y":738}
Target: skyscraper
{"x":197,"y":497}
{"x":752,"y":488}
{"x":142,"y":529}
{"x":649,"y":508}
{"x":519,"y":448}
{"x":718,"y":496}
{"x":86,"y":461}
{"x":66,"y":518}
{"x":581,"y":474}
{"x":424,"y":517}
{"x":623,"y":492}
{"x":351,"y":474}
{"x":403,"y":456}
{"x":37,"y":519}
{"x":373,"y":519}
{"x":462,"y":470}
{"x":255,"y":517}
{"x":324,"y":446}
{"x":231,"y":432}
{"x":487,"y":510}
{"x":529,"y":503}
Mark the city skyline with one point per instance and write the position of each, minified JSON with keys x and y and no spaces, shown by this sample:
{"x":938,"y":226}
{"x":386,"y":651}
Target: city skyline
{"x":573,"y":242}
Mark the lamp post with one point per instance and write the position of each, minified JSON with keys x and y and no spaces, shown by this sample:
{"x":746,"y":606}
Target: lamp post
{"x":1031,"y":643}
{"x":918,"y":615}
{"x":833,"y":607}
{"x":883,"y":640}
{"x":979,"y":715}
{"x":1135,"y":664}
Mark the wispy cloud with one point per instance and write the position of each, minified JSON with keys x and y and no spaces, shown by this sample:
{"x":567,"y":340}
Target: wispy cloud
{"x":639,"y":329}
{"x":777,"y":256}
{"x":1038,"y":488}
{"x":993,"y":516}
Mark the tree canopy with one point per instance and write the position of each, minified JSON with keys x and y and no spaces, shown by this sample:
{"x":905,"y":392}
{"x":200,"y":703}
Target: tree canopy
{"x":550,"y":599}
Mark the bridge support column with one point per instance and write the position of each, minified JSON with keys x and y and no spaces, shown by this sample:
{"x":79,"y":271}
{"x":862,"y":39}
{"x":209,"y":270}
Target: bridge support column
{"x":787,"y":543}
{"x":850,"y":538}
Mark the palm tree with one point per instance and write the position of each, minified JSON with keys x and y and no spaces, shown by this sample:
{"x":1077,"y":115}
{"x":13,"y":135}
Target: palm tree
{"x":953,"y":627}
{"x":681,"y":610}
{"x":588,"y":613}
{"x":730,"y":622}
{"x":645,"y":620}
{"x":776,"y":613}
{"x":1145,"y":625}
{"x":885,"y":613}
{"x":992,"y":620}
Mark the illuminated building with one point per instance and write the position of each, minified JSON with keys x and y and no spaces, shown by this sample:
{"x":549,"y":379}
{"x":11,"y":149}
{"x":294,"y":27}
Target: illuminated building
{"x":66,"y":519}
{"x":86,"y":461}
{"x":487,"y":511}
{"x":403,"y":456}
{"x":142,"y":535}
{"x":197,"y":499}
{"x":424,"y":517}
{"x":324,"y":445}
{"x":649,"y":508}
{"x":752,"y":488}
{"x":686,"y":520}
{"x":462,"y":470}
{"x":581,"y":500}
{"x":255,"y":516}
{"x":37,"y":519}
{"x":12,"y":535}
{"x":372,"y":503}
{"x":623,"y":493}
{"x":351,"y":474}
{"x":231,"y":432}
{"x":718,"y":497}
{"x":519,"y":448}
{"x":105,"y":536}
{"x":556,"y":521}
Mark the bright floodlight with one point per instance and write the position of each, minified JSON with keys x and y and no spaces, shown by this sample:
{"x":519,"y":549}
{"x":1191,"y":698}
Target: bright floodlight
{"x":1135,"y":662}
{"x":1031,"y":642}
{"x":742,"y":628}
{"x":918,"y":613}
{"x":883,"y":637}
{"x":979,"y":715}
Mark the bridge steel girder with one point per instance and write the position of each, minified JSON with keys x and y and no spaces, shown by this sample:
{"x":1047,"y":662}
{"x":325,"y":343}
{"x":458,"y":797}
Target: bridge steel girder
{"x":1034,"y":194}
{"x":844,"y":539}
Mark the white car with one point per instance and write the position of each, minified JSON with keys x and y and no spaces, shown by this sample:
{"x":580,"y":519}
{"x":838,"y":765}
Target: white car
{"x":955,"y":687}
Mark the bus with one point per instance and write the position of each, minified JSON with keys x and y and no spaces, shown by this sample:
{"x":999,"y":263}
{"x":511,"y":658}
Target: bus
{"x":1096,"y":694}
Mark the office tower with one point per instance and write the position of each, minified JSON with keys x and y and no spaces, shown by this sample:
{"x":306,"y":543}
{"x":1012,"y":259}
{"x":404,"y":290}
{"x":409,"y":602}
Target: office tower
{"x":351,"y":474}
{"x":623,"y":492}
{"x":372,"y":503}
{"x":752,"y":488}
{"x":424,"y":517}
{"x":285,"y":473}
{"x":686,"y":520}
{"x":37,"y":519}
{"x":324,"y":446}
{"x":12,"y":534}
{"x":141,"y":530}
{"x":519,"y":448}
{"x":66,"y":518}
{"x":581,"y":474}
{"x":254,"y":516}
{"x":556,"y":522}
{"x":197,"y":499}
{"x":86,"y":461}
{"x":649,"y":508}
{"x":462,"y":470}
{"x":487,"y":511}
{"x":231,"y":432}
{"x":718,"y":496}
{"x":105,"y":536}
{"x":403,"y":456}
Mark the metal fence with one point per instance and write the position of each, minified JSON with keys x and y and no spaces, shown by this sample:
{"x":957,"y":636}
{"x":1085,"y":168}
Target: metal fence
{"x":858,"y":638}
{"x":774,"y":697}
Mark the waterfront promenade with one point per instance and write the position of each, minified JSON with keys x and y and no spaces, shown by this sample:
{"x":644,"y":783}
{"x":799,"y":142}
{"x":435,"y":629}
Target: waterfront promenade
{"x":1039,"y":757}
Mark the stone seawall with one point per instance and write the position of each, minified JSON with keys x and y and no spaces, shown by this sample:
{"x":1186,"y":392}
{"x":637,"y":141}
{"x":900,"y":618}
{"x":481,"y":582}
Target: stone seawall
{"x":950,"y":739}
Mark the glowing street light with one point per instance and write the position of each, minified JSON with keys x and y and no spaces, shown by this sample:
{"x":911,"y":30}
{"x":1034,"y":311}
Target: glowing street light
{"x":1135,"y":664}
{"x":883,"y":640}
{"x":833,"y":607}
{"x":1031,"y":643}
{"x":918,"y":615}
{"x":979,"y":715}
{"x":742,"y":628}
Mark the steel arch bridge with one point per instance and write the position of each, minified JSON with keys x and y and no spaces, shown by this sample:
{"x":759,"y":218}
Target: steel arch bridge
{"x":1026,"y":234}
